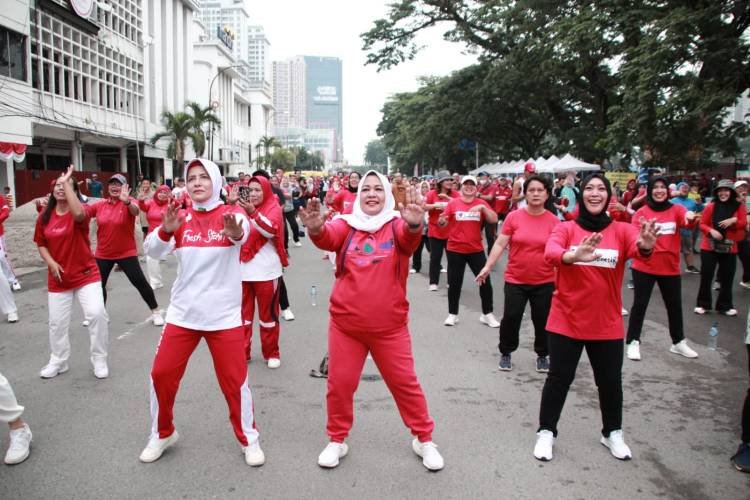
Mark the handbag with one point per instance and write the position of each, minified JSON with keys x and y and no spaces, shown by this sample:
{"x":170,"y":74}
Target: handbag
{"x":722,"y":246}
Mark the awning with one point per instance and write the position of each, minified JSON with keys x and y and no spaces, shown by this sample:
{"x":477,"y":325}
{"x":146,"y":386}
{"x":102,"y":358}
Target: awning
{"x":12,"y":150}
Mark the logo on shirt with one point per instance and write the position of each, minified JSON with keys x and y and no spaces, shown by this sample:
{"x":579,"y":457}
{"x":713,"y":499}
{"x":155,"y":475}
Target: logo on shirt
{"x":606,"y":258}
{"x":468,"y":216}
{"x":666,"y":227}
{"x":188,"y":236}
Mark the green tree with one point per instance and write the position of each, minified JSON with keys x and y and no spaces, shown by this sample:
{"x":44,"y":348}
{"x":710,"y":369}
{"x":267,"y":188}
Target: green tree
{"x":282,"y":158}
{"x":267,"y":143}
{"x":609,"y":76}
{"x":375,"y":153}
{"x":200,"y":119}
{"x":177,"y":128}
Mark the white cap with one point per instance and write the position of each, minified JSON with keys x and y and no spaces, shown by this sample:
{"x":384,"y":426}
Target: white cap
{"x":468,"y":178}
{"x":740,"y":183}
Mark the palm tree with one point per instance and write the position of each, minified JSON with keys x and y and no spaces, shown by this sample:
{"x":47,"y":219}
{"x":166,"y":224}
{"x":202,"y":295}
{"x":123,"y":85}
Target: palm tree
{"x":177,"y":128}
{"x":200,"y":117}
{"x":267,"y":143}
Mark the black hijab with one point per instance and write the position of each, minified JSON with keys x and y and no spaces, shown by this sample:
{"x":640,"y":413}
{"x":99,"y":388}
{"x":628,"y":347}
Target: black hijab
{"x":724,"y":209}
{"x":587,"y":220}
{"x":654,"y":205}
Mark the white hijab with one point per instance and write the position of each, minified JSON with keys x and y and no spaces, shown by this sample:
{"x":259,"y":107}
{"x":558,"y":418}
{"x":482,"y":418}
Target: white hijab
{"x":216,"y":181}
{"x":372,"y":223}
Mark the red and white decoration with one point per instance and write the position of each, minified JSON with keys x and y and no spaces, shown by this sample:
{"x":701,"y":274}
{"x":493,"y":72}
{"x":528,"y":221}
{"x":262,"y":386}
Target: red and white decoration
{"x":11,"y":150}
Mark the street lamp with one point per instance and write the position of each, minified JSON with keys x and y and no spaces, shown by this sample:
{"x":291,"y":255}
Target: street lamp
{"x":210,"y":105}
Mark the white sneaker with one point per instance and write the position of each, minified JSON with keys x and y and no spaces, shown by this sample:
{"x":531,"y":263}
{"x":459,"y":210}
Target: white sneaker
{"x":157,"y":319}
{"x":85,"y":322}
{"x":624,"y":312}
{"x":431,"y":457}
{"x":443,"y":270}
{"x":330,"y":456}
{"x":254,"y":456}
{"x":297,"y":244}
{"x":412,"y":271}
{"x":155,"y":448}
{"x":433,"y":288}
{"x":16,"y":286}
{"x":52,"y":370}
{"x":287,"y":314}
{"x":616,"y":445}
{"x":20,"y":442}
{"x":13,"y":317}
{"x":451,"y":320}
{"x":745,"y":284}
{"x":682,"y":348}
{"x":543,"y":447}
{"x":699,"y":310}
{"x":634,"y":350}
{"x":490,"y":320}
{"x":730,"y":312}
{"x":717,"y":285}
{"x":100,"y":369}
{"x":274,"y":362}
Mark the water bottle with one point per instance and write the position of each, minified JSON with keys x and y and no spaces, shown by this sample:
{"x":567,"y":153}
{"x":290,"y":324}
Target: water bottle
{"x":713,"y":336}
{"x":313,"y":295}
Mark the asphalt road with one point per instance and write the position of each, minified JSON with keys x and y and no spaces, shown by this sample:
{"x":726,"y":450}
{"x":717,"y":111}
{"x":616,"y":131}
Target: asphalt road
{"x":681,"y":416}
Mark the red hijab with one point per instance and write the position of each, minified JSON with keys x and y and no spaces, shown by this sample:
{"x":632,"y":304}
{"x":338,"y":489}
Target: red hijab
{"x":165,"y":189}
{"x":271,"y":210}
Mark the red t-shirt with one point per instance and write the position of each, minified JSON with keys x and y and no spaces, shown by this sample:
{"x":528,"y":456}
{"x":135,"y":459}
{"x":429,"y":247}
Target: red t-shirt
{"x":528,"y":237}
{"x":665,"y":260}
{"x":154,"y":212}
{"x":587,"y":303}
{"x":68,"y":243}
{"x":465,"y":226}
{"x":735,"y":232}
{"x":433,"y":229}
{"x":502,"y":199}
{"x":375,"y":267}
{"x":343,"y":202}
{"x":115,"y":236}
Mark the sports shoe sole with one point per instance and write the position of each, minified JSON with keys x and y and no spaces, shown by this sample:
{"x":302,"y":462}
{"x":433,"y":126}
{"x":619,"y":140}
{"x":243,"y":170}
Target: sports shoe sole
{"x":344,"y":451}
{"x":59,"y":372}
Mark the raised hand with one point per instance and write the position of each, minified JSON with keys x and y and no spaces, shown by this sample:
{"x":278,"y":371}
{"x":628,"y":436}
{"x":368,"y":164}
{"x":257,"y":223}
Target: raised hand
{"x":648,"y":235}
{"x":412,"y":213}
{"x":64,"y":178}
{"x":247,"y":205}
{"x":124,"y":193}
{"x":313,"y":218}
{"x":232,"y":229}
{"x":172,"y":219}
{"x":234,"y":195}
{"x":586,"y":251}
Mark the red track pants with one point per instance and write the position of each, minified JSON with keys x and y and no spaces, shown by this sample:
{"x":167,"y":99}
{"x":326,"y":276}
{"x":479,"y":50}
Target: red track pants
{"x":267,"y":295}
{"x":392,"y":354}
{"x":172,"y":355}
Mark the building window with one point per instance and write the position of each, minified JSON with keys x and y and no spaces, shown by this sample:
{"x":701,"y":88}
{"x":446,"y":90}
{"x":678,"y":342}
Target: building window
{"x":12,"y":54}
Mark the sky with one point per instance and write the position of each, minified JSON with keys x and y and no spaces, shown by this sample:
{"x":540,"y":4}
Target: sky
{"x":331,"y":28}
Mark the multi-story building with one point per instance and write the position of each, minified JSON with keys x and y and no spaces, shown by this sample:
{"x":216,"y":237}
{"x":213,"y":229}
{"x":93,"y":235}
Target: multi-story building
{"x":308,"y":95}
{"x":87,"y":84}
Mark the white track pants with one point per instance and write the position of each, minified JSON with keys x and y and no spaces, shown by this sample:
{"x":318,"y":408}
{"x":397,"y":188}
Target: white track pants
{"x":7,"y":303}
{"x":9,"y":407}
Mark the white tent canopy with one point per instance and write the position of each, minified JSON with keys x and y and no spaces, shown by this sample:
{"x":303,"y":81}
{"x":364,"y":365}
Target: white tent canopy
{"x":553,"y":164}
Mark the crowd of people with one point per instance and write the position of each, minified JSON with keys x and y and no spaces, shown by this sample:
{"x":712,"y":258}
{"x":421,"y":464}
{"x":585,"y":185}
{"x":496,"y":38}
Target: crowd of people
{"x":567,"y":240}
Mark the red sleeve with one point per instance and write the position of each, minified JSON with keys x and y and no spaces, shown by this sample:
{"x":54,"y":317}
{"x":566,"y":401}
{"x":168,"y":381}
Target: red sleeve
{"x":39,"y":238}
{"x":331,"y":238}
{"x":449,"y":210}
{"x":741,"y":224}
{"x":557,"y":245}
{"x":91,"y":210}
{"x":707,"y":219}
{"x":630,"y":236}
{"x":144,"y":204}
{"x":407,"y":241}
{"x":4,"y":209}
{"x":509,"y":226}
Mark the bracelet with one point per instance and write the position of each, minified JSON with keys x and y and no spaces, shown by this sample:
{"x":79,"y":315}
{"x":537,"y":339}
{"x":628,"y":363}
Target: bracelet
{"x":128,"y":203}
{"x":645,"y":252}
{"x":414,"y":226}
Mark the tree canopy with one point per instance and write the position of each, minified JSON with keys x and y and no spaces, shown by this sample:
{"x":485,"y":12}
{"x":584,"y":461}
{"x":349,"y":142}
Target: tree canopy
{"x":653,"y":78}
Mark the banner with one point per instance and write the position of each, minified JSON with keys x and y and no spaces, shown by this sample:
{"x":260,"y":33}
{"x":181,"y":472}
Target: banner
{"x":621,"y":178}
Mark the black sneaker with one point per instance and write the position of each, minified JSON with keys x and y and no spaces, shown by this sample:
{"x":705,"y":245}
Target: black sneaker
{"x":693,"y":270}
{"x":741,"y":459}
{"x":505,"y":364}
{"x":542,"y":364}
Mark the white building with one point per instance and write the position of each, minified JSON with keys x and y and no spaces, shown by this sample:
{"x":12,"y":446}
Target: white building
{"x":88,"y":83}
{"x":220,"y":79}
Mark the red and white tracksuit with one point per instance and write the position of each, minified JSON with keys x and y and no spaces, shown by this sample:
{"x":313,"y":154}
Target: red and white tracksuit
{"x":376,"y":266}
{"x":205,"y":303}
{"x":263,"y":258}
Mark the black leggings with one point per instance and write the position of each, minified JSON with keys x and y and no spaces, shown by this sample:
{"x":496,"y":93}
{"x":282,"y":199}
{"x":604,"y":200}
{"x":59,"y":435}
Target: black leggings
{"x":743,"y":252}
{"x":132,"y":270}
{"x":437,"y":246}
{"x":490,"y":233}
{"x":606,"y":361}
{"x":727,"y":263}
{"x":516,"y":296}
{"x":746,"y":407}
{"x":416,"y":258}
{"x":291,"y":220}
{"x":456,"y":267}
{"x":283,"y":296}
{"x":671,"y":293}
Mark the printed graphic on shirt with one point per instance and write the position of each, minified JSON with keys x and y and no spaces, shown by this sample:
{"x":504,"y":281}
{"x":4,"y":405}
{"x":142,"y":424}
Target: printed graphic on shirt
{"x":367,"y":254}
{"x":347,"y":205}
{"x":468,"y":217}
{"x":606,"y":257}
{"x":666,"y":228}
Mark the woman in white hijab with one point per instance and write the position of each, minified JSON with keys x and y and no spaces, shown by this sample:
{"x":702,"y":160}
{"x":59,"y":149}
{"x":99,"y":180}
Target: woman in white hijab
{"x":373,"y":245}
